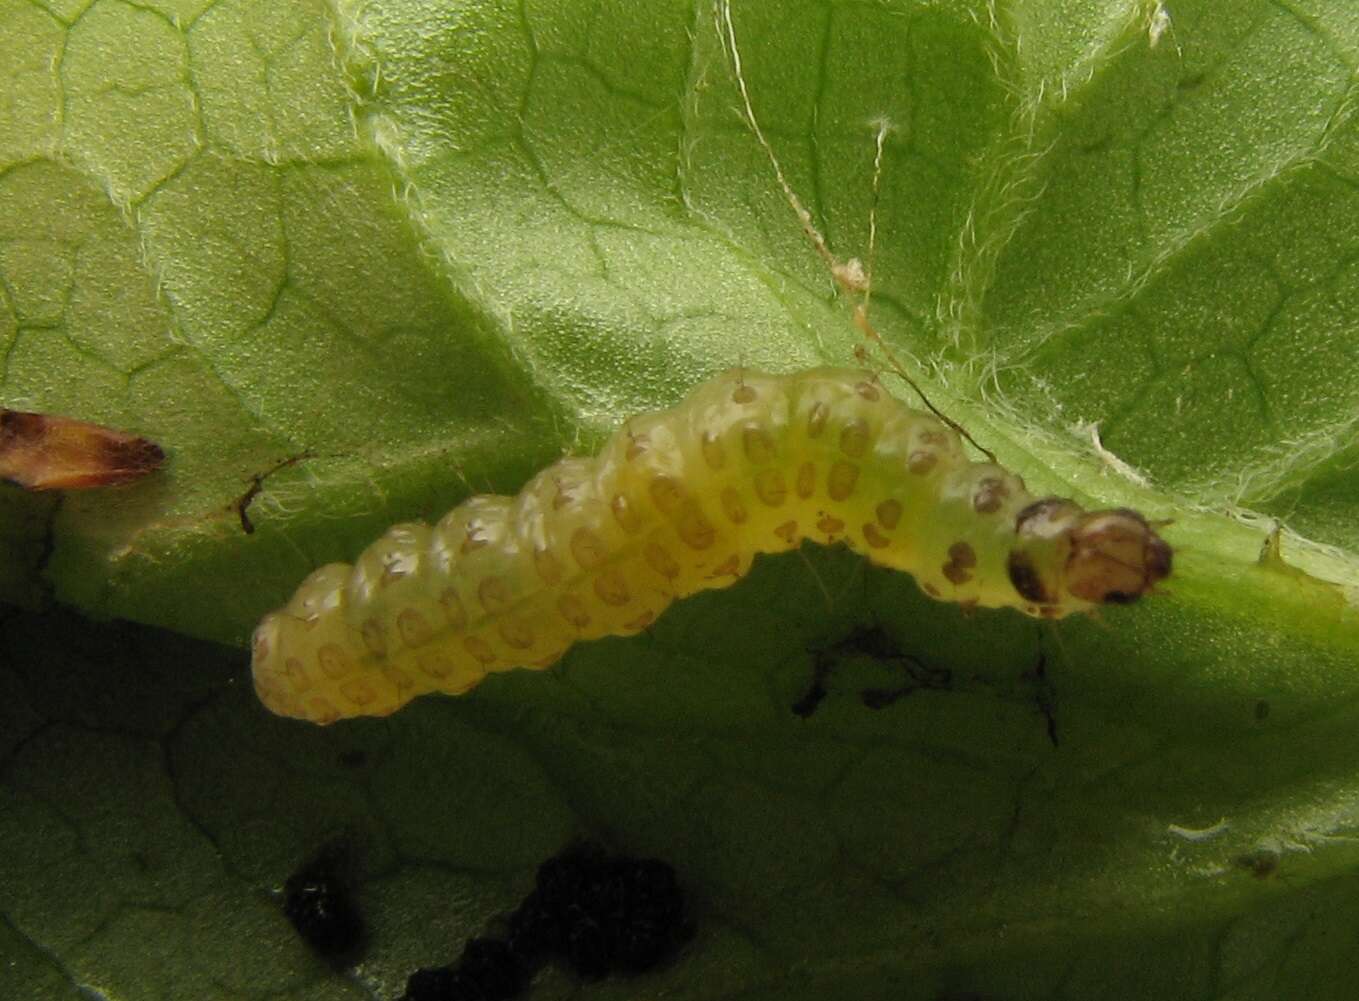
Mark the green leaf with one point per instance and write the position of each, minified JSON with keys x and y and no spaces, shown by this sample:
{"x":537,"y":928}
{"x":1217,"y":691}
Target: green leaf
{"x":423,"y":249}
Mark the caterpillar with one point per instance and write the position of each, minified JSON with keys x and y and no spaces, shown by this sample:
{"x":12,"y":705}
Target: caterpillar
{"x":679,"y":501}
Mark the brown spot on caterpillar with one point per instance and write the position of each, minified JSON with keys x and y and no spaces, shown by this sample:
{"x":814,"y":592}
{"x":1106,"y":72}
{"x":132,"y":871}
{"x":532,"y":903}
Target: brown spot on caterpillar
{"x":930,"y":589}
{"x":888,"y":514}
{"x":400,"y":680}
{"x":47,"y":452}
{"x":573,"y":610}
{"x":660,"y":560}
{"x":743,"y":394}
{"x":921,"y":461}
{"x":816,"y":420}
{"x":479,"y":649}
{"x":854,"y":438}
{"x":989,"y":494}
{"x":731,"y":504}
{"x":611,"y":588}
{"x":666,"y":494}
{"x":787,"y":531}
{"x":267,"y":688}
{"x":805,"y":483}
{"x":696,"y":531}
{"x":435,"y":664}
{"x":730,"y":567}
{"x":867,"y":391}
{"x":874,"y":537}
{"x":713,"y":453}
{"x":1024,"y":576}
{"x":770,"y":488}
{"x":962,"y":559}
{"x":277,"y":699}
{"x":641,"y":622}
{"x":843,"y":477}
{"x":358,"y":691}
{"x":296,"y":674}
{"x":493,"y":595}
{"x":758,"y":444}
{"x":830,"y":525}
{"x":516,"y":634}
{"x":412,"y":627}
{"x":374,"y":638}
{"x":548,"y":566}
{"x":587,"y":548}
{"x":453,"y":608}
{"x":625,"y":514}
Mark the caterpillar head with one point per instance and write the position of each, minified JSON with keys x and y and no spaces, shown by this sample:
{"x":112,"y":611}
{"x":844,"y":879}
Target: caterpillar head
{"x":1096,"y":557}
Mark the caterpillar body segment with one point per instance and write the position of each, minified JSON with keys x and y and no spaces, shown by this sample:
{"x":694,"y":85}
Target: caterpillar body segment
{"x":679,"y":501}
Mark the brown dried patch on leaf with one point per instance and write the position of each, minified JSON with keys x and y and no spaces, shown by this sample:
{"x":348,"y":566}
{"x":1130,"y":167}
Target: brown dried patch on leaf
{"x":48,"y":452}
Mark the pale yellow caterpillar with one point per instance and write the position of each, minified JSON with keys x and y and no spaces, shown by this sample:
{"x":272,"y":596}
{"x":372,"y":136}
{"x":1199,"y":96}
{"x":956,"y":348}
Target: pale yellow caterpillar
{"x":679,"y":501}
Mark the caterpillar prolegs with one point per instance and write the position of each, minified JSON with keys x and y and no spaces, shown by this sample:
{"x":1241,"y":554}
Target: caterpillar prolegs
{"x":679,"y":501}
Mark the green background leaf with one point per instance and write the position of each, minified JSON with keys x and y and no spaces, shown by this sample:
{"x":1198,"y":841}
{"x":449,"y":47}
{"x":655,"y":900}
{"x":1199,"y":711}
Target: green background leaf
{"x":430,"y":247}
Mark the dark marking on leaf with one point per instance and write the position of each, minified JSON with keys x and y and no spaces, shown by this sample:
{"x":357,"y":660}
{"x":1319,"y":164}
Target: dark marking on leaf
{"x":317,"y":901}
{"x":1261,"y":863}
{"x":353,"y":758}
{"x":1044,"y":695}
{"x":601,"y":914}
{"x":874,"y":643}
{"x":241,"y":504}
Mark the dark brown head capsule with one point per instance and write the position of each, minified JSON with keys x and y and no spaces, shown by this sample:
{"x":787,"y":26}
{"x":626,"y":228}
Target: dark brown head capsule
{"x":1116,"y":557}
{"x":1098,"y":557}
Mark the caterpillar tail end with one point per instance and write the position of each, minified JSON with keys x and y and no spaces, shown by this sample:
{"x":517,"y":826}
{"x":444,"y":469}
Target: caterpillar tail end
{"x":318,"y":682}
